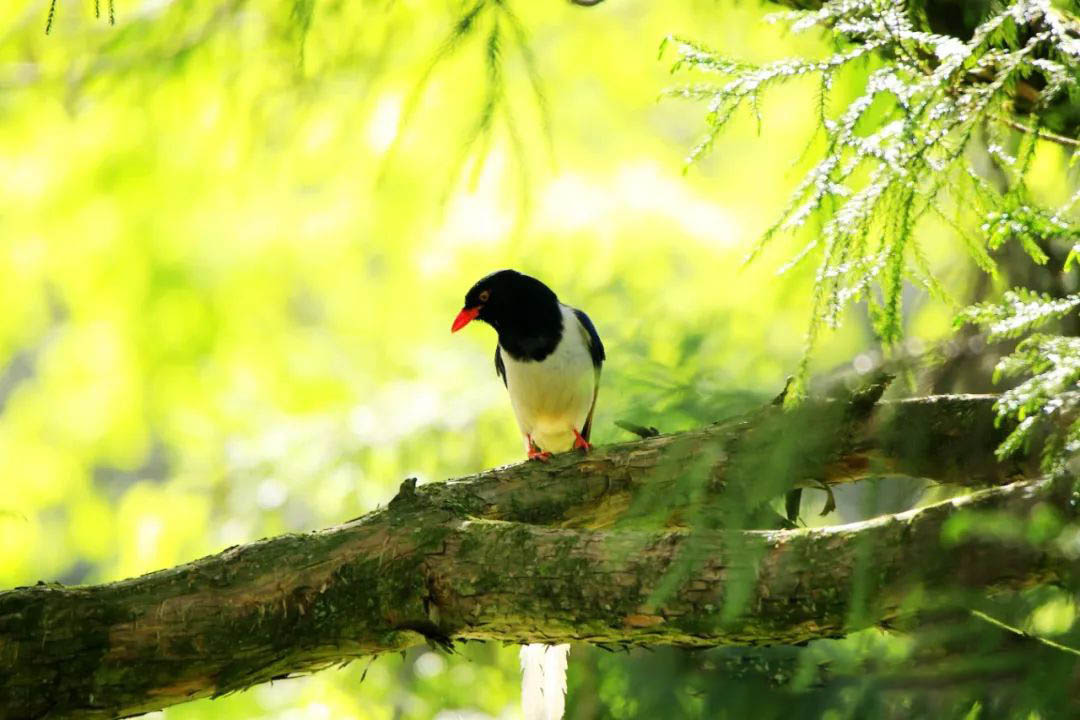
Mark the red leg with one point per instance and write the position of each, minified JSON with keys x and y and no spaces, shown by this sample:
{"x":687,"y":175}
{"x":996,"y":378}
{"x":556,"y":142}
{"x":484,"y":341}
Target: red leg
{"x":580,"y":442}
{"x":534,"y":452}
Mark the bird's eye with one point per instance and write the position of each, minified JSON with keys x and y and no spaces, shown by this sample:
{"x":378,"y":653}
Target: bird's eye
{"x":485,"y":295}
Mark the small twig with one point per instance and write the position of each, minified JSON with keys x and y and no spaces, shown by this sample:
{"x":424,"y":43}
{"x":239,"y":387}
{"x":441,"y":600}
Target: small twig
{"x":1017,"y":631}
{"x":1041,"y":134}
{"x":48,"y":21}
{"x":639,"y":430}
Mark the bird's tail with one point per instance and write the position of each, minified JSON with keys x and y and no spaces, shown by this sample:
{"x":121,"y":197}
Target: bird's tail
{"x":543,"y":681}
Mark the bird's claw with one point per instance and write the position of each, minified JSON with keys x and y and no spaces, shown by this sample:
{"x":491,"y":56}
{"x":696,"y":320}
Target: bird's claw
{"x":580,"y":442}
{"x":534,"y":452}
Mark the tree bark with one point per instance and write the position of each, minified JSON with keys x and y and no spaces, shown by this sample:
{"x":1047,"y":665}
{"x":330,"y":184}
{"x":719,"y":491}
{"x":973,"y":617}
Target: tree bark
{"x":504,"y":556}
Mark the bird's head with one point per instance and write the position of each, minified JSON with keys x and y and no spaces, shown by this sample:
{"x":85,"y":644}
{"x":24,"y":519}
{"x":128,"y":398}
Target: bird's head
{"x":506,"y":299}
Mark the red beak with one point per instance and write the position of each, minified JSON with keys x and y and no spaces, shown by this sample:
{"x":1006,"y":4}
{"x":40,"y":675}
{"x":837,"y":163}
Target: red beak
{"x":466,"y":316}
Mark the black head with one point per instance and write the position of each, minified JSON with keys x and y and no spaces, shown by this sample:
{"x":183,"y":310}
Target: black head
{"x":523,"y":310}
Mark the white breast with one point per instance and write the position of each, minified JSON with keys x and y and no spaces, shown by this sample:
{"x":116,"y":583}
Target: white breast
{"x":552,"y":397}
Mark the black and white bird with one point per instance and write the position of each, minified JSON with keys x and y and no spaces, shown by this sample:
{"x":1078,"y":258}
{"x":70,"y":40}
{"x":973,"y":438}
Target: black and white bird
{"x":549,"y":357}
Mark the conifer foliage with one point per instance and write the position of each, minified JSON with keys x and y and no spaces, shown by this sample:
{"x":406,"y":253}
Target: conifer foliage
{"x":906,"y":150}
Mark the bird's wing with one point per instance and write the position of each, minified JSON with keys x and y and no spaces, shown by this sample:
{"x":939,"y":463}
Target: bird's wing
{"x":500,"y":369}
{"x":596,"y":351}
{"x":592,"y":339}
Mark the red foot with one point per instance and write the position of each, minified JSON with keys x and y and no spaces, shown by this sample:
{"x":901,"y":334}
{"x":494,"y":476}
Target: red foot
{"x":580,"y":442}
{"x":534,"y":452}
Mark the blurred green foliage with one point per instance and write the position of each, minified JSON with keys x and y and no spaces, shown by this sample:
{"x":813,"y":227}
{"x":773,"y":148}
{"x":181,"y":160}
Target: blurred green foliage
{"x":234,"y":237}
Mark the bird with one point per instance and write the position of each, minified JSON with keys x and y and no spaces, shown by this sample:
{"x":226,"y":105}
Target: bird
{"x":549,"y":357}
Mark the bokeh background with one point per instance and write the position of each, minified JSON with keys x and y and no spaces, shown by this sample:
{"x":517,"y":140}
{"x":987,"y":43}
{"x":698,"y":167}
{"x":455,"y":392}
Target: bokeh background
{"x":233,"y":236}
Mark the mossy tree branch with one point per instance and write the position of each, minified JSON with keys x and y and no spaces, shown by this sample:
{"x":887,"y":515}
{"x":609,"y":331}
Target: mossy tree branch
{"x":503,"y":556}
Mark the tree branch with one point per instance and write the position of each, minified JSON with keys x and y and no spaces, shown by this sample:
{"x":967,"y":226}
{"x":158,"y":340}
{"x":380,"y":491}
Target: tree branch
{"x":465,"y":560}
{"x":948,"y":439}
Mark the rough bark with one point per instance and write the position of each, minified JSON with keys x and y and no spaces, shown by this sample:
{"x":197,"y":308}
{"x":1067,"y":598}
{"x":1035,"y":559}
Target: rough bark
{"x":949,"y":439}
{"x":503,"y":556}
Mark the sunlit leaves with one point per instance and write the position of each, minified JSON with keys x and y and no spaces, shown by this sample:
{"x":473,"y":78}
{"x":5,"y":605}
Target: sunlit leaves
{"x":1031,"y":227}
{"x":1051,"y":395}
{"x":497,"y":26}
{"x":882,"y":171}
{"x":900,"y":149}
{"x":1020,"y":311}
{"x":1048,"y":400}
